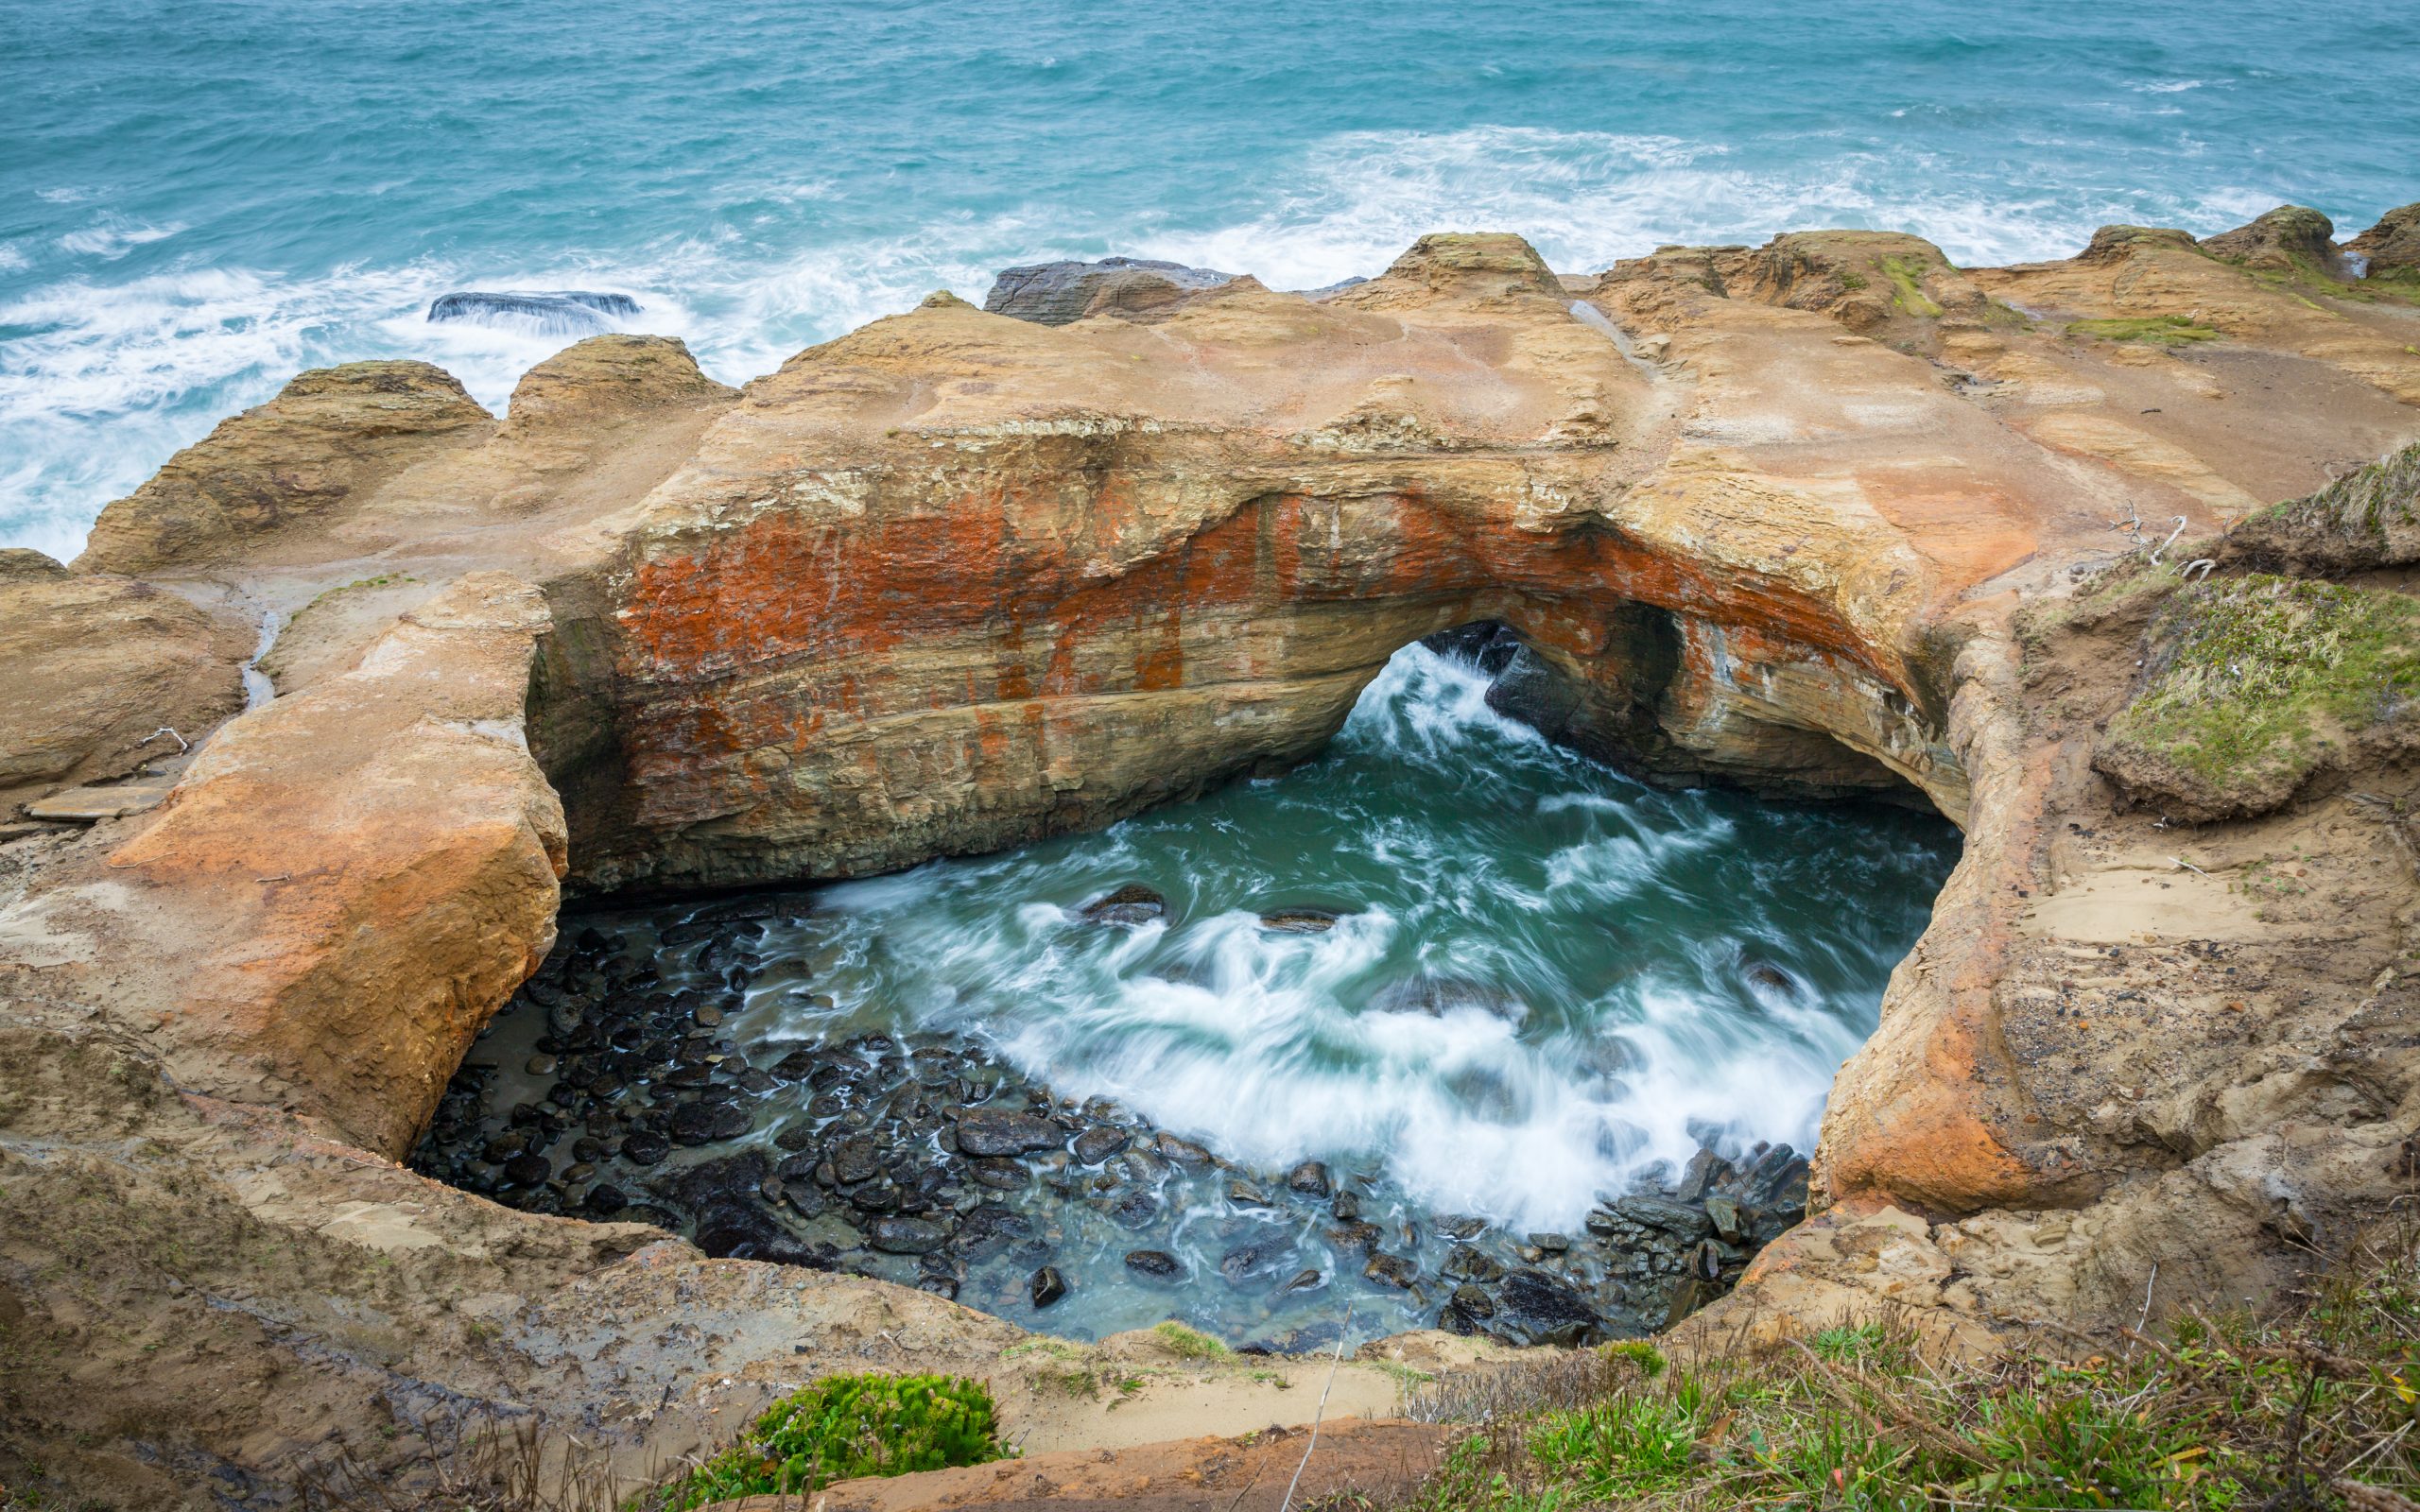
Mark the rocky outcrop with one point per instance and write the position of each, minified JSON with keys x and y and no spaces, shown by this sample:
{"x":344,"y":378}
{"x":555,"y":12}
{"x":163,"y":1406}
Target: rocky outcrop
{"x":1063,"y":293}
{"x":956,"y":580}
{"x":2390,"y":248}
{"x":2368,"y":519}
{"x":2279,"y":241}
{"x":99,"y":665}
{"x":298,"y":459}
{"x":344,"y":886}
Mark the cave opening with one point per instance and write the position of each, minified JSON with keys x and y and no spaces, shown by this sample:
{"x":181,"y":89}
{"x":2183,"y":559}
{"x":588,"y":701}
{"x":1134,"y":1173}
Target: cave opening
{"x":1456,"y":1023}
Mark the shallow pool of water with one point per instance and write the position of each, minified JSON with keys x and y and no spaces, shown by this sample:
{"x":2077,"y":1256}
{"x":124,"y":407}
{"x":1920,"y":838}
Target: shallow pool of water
{"x":1511,"y":985}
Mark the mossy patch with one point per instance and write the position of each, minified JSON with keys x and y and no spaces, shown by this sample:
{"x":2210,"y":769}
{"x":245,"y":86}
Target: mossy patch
{"x":2254,"y":683}
{"x":2159,"y":330}
{"x":2355,"y":522}
{"x":843,"y":1427}
{"x":1907,"y":283}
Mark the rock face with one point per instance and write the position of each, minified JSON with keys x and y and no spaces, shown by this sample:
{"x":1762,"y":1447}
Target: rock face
{"x":328,"y":433}
{"x":955,"y":581}
{"x":2278,"y":239}
{"x":2390,"y":247}
{"x":344,"y":886}
{"x":1063,"y":293}
{"x":98,"y":664}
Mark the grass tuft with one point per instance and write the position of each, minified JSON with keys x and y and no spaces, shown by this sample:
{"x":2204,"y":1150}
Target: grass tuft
{"x":1190,"y":1344}
{"x":843,"y":1427}
{"x":2318,"y":1408}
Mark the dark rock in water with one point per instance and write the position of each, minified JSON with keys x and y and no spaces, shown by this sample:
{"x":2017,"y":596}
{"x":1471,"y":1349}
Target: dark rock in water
{"x":1705,"y":1171}
{"x":983,"y":1131}
{"x":1100,"y":1141}
{"x":1532,"y":1307}
{"x":1136,"y":1210}
{"x":795,"y":1138}
{"x":1488,"y":645}
{"x":604,"y":1200}
{"x":856,"y":1160}
{"x":1550,"y":1244}
{"x":1467,"y":1264}
{"x":1304,"y":1280}
{"x":1532,"y":692}
{"x":1685,"y":1219}
{"x":1157,"y":1263}
{"x":1776,"y":1178}
{"x":1310,"y":1179}
{"x":645,"y":1148}
{"x":907,"y":1236}
{"x":1298,"y":920}
{"x":1688,"y":1297}
{"x":1184,"y":1152}
{"x":1001,"y":1176}
{"x":527,"y":1170}
{"x":1252,"y":1261}
{"x":706,"y":1122}
{"x":560,"y":313}
{"x":1130,"y":905}
{"x":1047,"y":1286}
{"x":1474,"y":1302}
{"x":1360,"y":1236}
{"x":1772,"y":978}
{"x":1243,"y":1194}
{"x":1347,"y":1208}
{"x":1063,"y":293}
{"x":1391,"y":1270}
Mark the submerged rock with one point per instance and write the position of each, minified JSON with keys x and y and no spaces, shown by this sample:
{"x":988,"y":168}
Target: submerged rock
{"x":560,"y":313}
{"x":1047,"y":1286}
{"x":1531,"y":1307}
{"x":984,"y":1132}
{"x":1130,"y":905}
{"x":1156,"y":1263}
{"x":1299,"y":920}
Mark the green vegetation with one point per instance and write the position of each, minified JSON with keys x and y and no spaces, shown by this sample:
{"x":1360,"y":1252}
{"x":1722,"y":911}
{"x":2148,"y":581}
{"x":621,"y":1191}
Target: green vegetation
{"x":847,"y":1426}
{"x":1190,"y":1343}
{"x":2159,"y":330}
{"x":2251,"y":674}
{"x":2316,"y":1409}
{"x":382,"y":580}
{"x":2358,"y":508}
{"x":1907,"y":275}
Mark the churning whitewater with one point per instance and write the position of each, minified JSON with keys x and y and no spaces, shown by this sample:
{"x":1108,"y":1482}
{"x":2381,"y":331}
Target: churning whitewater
{"x":1543,"y":978}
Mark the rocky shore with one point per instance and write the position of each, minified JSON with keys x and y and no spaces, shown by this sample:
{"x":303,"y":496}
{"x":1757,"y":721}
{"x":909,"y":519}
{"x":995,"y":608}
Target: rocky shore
{"x":930,"y":1162}
{"x":2096,"y":556}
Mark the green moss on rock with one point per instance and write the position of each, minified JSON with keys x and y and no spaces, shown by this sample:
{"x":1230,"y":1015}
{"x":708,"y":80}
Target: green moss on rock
{"x":2160,"y":330}
{"x":2252,"y":684}
{"x":2367,"y":519}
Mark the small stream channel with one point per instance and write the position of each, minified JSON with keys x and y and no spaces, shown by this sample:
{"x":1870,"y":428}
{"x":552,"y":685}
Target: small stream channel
{"x":1450,"y":1027}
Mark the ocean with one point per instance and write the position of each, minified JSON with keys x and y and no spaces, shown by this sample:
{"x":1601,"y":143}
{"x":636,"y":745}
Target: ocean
{"x":198,"y":201}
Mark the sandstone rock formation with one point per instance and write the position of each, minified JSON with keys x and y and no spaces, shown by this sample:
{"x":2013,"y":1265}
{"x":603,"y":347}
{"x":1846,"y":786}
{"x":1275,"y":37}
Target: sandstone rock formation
{"x":1827,"y":516}
{"x":99,"y":665}
{"x":2390,"y":247}
{"x":2277,"y":240}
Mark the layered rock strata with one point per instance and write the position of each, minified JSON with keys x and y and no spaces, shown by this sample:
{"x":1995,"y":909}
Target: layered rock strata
{"x":1813,"y":517}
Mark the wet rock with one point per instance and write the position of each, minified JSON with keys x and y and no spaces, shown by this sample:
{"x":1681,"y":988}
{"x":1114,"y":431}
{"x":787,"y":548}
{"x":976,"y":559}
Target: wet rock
{"x":1298,"y":920}
{"x":1686,"y":1220}
{"x":1184,"y":1152}
{"x":1252,"y":1261}
{"x":1465,"y":1263}
{"x":1156,"y":1263}
{"x":1705,"y":1171}
{"x":527,"y":1170}
{"x":1347,"y":1208}
{"x":540,"y":1066}
{"x":1550,"y":1244}
{"x":604,"y":1200}
{"x":984,"y":1132}
{"x":1488,"y":645}
{"x":1097,"y":1144}
{"x":1304,"y":1280}
{"x":1001,"y":1176}
{"x":1532,"y":1307}
{"x":1243,"y":1194}
{"x":695,"y":1124}
{"x":1776,"y":1178}
{"x":1047,"y":1286}
{"x":1136,"y":1210}
{"x":1310,"y":1179}
{"x":1362,"y":1236}
{"x":1765,"y":976}
{"x":907,"y":1236}
{"x":1129,"y":905}
{"x":1391,"y":1270}
{"x":645,"y":1148}
{"x":1724,"y":1214}
{"x":1474,"y":1302}
{"x":854,"y":1159}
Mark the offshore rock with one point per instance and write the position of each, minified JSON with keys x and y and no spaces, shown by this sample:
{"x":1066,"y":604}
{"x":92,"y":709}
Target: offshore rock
{"x":565,"y":313}
{"x":1063,"y":293}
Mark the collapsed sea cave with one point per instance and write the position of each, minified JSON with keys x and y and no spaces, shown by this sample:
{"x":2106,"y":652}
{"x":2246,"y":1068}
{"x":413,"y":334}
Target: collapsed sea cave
{"x":1454,"y":1026}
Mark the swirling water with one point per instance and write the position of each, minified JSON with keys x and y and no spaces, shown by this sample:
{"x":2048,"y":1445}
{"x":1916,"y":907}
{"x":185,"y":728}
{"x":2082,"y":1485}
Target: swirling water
{"x":1547,"y":984}
{"x":196,"y":201}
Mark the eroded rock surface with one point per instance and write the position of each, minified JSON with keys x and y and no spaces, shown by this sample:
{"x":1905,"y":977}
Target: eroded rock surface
{"x":1823,"y":517}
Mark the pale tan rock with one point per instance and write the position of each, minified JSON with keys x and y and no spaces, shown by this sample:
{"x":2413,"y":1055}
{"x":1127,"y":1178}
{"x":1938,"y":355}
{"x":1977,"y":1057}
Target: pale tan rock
{"x":98,"y":664}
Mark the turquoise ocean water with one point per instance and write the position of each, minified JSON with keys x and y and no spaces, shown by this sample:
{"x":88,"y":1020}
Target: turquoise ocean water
{"x":196,"y":200}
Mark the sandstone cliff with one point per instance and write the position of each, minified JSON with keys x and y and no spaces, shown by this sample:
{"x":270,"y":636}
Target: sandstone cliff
{"x":1825,"y":516}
